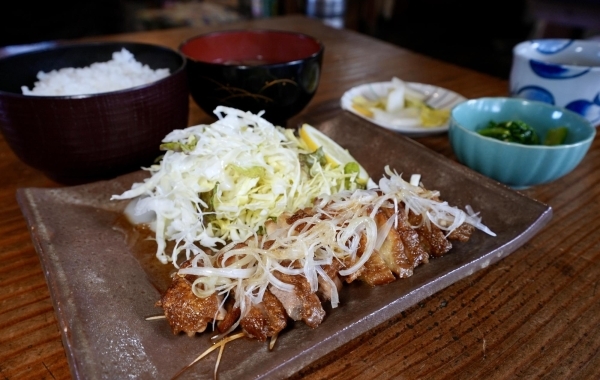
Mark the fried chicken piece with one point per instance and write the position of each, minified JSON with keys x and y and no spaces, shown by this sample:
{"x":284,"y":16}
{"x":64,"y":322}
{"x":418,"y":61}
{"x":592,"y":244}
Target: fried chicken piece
{"x":349,"y":262}
{"x":325,"y":289}
{"x":433,"y":240}
{"x":401,"y":250}
{"x":392,"y":249}
{"x":300,"y":303}
{"x":375,"y":271}
{"x":414,"y":250}
{"x":462,"y":233}
{"x":265,"y":319}
{"x":300,"y":214}
{"x":232,"y":314}
{"x":404,"y":248}
{"x":185,"y":311}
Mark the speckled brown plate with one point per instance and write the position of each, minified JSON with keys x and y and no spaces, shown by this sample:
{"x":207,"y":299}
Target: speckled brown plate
{"x":102,"y":292}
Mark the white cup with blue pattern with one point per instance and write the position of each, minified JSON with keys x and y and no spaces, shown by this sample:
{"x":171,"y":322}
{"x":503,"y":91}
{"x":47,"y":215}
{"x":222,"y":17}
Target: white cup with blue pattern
{"x":561,"y":72}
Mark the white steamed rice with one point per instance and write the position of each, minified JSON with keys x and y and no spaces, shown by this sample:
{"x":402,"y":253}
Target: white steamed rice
{"x":121,"y":72}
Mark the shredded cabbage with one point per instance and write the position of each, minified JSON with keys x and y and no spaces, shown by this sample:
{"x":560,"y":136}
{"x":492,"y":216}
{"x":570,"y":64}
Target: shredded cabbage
{"x":332,"y":233}
{"x":221,"y":182}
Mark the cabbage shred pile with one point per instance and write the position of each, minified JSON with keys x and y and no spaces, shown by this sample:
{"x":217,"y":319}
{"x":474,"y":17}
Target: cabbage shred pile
{"x":331,"y":232}
{"x":221,"y":182}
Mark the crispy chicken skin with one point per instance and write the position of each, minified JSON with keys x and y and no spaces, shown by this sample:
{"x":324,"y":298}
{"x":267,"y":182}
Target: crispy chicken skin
{"x":232,"y":314}
{"x":265,"y":319}
{"x":301,"y":303}
{"x":402,"y":249}
{"x":408,"y":244}
{"x":375,"y":271}
{"x":462,"y":233}
{"x":185,"y":311}
{"x":325,"y":288}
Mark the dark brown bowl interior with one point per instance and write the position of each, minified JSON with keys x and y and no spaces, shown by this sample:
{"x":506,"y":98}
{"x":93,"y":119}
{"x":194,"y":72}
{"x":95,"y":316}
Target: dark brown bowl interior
{"x":254,"y":70}
{"x":81,"y":138}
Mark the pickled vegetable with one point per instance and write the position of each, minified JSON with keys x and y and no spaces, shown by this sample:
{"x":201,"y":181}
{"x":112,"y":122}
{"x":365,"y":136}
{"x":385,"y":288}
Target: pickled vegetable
{"x":403,"y":106}
{"x":556,"y":136}
{"x":511,"y":131}
{"x":522,"y":133}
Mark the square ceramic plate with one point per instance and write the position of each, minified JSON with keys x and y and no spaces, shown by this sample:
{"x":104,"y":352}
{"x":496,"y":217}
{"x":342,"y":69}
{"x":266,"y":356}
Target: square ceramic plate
{"x":103,"y":291}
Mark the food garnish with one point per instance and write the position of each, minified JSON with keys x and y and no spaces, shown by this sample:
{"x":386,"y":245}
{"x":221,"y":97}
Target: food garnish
{"x":374,"y":235}
{"x":334,"y":154}
{"x":402,"y":106}
{"x":218,"y":345}
{"x":222,"y":182}
{"x":517,"y":131}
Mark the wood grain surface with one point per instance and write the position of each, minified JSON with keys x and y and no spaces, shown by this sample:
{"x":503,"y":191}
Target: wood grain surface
{"x":533,"y":314}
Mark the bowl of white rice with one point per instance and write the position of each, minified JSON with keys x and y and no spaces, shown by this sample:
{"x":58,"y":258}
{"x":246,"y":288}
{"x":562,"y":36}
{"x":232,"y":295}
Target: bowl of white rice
{"x":89,"y":111}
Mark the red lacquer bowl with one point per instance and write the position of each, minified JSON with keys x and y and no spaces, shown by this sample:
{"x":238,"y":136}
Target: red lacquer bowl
{"x":254,"y":70}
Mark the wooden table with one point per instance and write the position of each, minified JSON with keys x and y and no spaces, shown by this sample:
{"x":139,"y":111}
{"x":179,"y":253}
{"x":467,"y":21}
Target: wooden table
{"x":535,"y":313}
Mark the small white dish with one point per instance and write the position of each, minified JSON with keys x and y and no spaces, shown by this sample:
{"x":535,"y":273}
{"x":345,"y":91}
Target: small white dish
{"x":436,"y":97}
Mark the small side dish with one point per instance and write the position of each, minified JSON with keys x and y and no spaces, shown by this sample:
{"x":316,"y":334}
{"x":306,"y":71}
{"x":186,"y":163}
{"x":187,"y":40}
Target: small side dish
{"x":402,"y":106}
{"x":409,"y":108}
{"x":519,"y":132}
{"x":524,"y":164}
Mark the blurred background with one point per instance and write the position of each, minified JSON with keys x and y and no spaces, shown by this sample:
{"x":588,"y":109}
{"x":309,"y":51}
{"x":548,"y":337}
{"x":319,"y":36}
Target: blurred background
{"x":475,"y":34}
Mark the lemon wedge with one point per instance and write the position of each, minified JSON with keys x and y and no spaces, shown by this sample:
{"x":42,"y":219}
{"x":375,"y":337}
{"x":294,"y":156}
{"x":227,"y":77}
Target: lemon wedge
{"x":334,"y":154}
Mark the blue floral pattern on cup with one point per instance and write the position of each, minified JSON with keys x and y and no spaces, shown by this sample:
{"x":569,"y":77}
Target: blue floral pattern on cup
{"x":553,"y":71}
{"x":536,"y":93}
{"x":589,"y":110}
{"x":552,"y":46}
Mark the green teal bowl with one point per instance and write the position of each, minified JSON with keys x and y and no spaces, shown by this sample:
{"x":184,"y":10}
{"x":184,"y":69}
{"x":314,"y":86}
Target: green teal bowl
{"x":516,"y":165}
